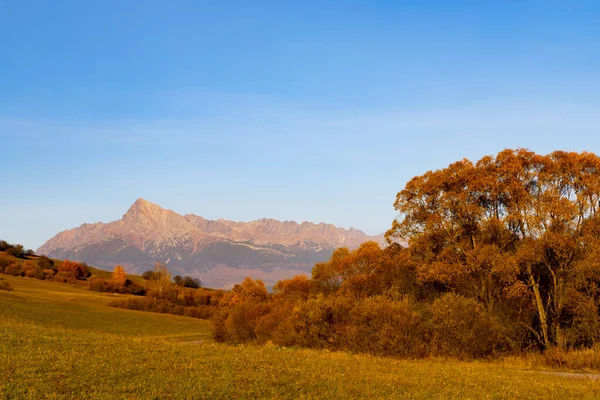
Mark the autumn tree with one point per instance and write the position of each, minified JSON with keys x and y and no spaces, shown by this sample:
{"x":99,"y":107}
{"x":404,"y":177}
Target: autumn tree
{"x":293,"y":288}
{"x":118,"y":277}
{"x":240,"y":311}
{"x":162,"y":276}
{"x":74,"y":268}
{"x":187,"y":281}
{"x":149,"y":275}
{"x":4,"y":245}
{"x":515,"y":221}
{"x":16,"y":251}
{"x":44,"y":262}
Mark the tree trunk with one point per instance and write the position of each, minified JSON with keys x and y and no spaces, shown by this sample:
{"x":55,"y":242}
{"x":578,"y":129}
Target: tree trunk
{"x":541,"y":310}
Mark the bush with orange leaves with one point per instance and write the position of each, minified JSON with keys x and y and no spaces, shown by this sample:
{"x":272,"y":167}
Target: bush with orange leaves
{"x":74,"y":269}
{"x":239,"y":312}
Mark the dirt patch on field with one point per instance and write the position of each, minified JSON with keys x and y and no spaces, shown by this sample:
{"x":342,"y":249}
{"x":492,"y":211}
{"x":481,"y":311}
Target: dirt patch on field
{"x":573,"y":375}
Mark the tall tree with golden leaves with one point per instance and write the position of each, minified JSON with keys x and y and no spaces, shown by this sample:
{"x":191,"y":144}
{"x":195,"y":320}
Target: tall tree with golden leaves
{"x":118,"y":277}
{"x":516,"y":220}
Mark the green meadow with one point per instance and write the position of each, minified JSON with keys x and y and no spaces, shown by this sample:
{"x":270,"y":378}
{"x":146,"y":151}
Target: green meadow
{"x":60,"y":341}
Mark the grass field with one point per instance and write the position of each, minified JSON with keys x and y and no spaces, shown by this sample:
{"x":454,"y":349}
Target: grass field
{"x":63,"y":341}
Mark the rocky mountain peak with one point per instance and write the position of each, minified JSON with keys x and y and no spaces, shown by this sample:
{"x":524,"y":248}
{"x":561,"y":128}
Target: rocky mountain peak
{"x":146,"y":215}
{"x":142,"y":207}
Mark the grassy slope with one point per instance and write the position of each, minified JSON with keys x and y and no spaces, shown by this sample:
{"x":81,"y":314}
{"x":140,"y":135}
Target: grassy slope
{"x":62,"y":341}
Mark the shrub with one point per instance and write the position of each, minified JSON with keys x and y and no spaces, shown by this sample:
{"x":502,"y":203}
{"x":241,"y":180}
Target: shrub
{"x":387,"y":327}
{"x":48,"y":274}
{"x":586,"y":359}
{"x":5,"y":286}
{"x":85,"y":270}
{"x":99,"y":285}
{"x":298,"y":287}
{"x":187,"y":281}
{"x":65,"y":276}
{"x":13,"y":270}
{"x":190,"y":282}
{"x":4,"y":262}
{"x":202,"y":297}
{"x":321,"y":322}
{"x":279,"y":326}
{"x":39,"y":274}
{"x":103,"y":285}
{"x":240,"y":311}
{"x":242,"y":321}
{"x":462,"y":328}
{"x":202,"y":312}
{"x":30,"y":272}
{"x":135,"y":289}
{"x":584,"y":327}
{"x":16,"y":251}
{"x":76,"y":269}
{"x":44,"y":262}
{"x":149,"y":275}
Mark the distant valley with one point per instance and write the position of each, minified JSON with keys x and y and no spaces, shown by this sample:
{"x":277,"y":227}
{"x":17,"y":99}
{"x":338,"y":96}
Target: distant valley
{"x":220,"y":253}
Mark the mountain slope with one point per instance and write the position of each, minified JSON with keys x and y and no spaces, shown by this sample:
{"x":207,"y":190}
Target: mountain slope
{"x":220,"y":252}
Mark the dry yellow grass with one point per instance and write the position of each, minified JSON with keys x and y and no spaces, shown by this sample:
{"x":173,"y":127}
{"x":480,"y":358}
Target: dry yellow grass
{"x":62,"y":341}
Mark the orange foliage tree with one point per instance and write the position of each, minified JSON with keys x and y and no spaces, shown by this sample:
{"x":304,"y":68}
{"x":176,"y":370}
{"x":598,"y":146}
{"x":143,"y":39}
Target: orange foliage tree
{"x":75,"y":268}
{"x":118,"y":277}
{"x":515,"y":221}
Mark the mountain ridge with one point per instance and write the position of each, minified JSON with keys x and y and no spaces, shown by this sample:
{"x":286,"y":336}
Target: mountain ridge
{"x":197,"y":246}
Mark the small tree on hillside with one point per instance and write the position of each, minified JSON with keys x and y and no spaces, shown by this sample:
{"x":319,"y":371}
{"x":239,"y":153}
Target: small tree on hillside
{"x":162,"y":276}
{"x":118,"y":277}
{"x":149,"y":275}
{"x":16,"y":251}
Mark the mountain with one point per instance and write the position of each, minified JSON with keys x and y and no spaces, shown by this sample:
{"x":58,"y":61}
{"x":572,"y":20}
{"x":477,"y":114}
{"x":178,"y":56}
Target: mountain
{"x":220,"y":253}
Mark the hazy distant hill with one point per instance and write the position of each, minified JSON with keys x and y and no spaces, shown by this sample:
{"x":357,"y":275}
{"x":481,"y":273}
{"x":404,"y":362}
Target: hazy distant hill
{"x":220,"y":252}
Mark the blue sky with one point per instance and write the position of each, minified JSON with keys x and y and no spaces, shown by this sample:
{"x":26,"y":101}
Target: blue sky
{"x":295,"y":110}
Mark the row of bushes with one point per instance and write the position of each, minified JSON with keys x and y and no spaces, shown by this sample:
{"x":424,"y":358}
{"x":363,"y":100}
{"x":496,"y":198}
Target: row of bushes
{"x":103,"y":285}
{"x":187,"y":297}
{"x":452,"y":325}
{"x":45,"y":269}
{"x":163,"y":306}
{"x":184,"y":297}
{"x":388,"y":302}
{"x":15,"y":250}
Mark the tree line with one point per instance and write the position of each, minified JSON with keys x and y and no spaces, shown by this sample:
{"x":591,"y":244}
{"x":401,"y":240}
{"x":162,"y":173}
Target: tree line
{"x":39,"y":267}
{"x":166,"y":294}
{"x":502,"y":257}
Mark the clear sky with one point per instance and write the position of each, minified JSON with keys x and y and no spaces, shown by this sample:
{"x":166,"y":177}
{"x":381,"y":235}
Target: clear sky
{"x":295,"y":110}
